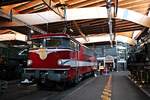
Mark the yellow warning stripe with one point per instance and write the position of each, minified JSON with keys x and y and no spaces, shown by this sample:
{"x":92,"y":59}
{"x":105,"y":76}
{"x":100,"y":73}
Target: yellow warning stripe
{"x":107,"y":92}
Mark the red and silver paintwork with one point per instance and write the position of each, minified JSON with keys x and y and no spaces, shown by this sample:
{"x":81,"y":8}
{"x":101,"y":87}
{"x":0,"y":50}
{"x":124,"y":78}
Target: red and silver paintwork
{"x":59,"y":63}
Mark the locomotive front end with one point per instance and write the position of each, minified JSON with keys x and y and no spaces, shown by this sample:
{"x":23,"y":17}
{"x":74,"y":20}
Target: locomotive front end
{"x":44,"y":59}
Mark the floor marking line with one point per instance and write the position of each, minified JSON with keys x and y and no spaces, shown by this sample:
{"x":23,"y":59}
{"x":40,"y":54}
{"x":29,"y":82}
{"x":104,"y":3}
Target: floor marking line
{"x":107,"y":92}
{"x":70,"y":94}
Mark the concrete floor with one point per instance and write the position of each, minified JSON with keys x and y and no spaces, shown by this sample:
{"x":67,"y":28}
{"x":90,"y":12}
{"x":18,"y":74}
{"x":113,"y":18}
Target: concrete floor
{"x":124,"y":89}
{"x":90,"y":89}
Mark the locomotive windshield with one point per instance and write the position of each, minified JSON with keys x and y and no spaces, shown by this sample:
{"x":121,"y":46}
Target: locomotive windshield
{"x":37,"y":43}
{"x":51,"y":42}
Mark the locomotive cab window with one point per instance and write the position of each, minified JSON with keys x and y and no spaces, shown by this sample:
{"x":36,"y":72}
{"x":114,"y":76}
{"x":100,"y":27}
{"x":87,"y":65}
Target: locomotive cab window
{"x":37,"y":43}
{"x":65,"y":42}
{"x":57,"y":42}
{"x":53,"y":43}
{"x":74,"y":46}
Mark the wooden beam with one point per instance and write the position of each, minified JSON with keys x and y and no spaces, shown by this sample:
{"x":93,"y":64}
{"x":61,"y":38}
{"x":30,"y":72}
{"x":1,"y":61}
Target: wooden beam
{"x":52,"y":6}
{"x":89,"y":3}
{"x":28,"y":6}
{"x":86,"y":3}
{"x":20,"y":5}
{"x":62,"y":1}
{"x":140,"y":6}
{"x":80,"y":31}
{"x":127,"y":1}
{"x":85,"y":21}
{"x":142,"y":11}
{"x":86,"y":13}
{"x":105,"y":37}
{"x":116,"y":25}
{"x":91,"y":23}
{"x":33,"y":8}
{"x":56,"y":1}
{"x":101,"y":22}
{"x":128,"y":34}
{"x":126,"y":25}
{"x":72,"y":2}
{"x":4,"y":31}
{"x":10,"y":24}
{"x":122,"y":28}
{"x":129,"y":29}
{"x":39,"y":10}
{"x":96,"y":5}
{"x":7,"y":9}
{"x":135,"y":3}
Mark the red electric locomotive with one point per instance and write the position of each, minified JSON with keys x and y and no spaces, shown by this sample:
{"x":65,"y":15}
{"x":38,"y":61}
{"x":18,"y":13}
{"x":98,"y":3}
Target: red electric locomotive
{"x":58,"y":58}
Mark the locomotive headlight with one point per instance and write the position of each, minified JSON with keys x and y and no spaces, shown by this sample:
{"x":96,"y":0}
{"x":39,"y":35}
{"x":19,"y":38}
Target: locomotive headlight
{"x":59,"y":62}
{"x":29,"y":62}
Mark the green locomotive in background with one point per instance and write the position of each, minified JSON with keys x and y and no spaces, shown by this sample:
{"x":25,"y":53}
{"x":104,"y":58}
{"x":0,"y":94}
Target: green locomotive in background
{"x":12,"y":60}
{"x":13,"y":56}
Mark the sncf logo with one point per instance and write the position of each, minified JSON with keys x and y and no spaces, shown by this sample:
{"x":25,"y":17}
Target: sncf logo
{"x":42,"y":53}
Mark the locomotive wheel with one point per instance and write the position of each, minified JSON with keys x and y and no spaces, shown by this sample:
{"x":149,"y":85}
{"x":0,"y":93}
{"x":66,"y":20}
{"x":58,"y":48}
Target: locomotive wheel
{"x":41,"y":86}
{"x":94,"y":74}
{"x":47,"y":85}
{"x":76,"y":80}
{"x":61,"y":86}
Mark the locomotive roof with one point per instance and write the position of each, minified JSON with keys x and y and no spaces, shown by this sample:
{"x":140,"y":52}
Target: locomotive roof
{"x":38,"y":36}
{"x":49,"y":35}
